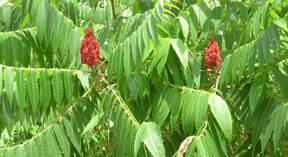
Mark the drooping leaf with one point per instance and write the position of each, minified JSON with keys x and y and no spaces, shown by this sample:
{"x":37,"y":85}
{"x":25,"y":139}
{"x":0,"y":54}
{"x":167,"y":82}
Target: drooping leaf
{"x":222,"y":114}
{"x":149,"y":133}
{"x":33,"y":90}
{"x":41,"y":20}
{"x":93,"y":122}
{"x":31,"y":149}
{"x":42,"y":146}
{"x":9,"y":83}
{"x":200,"y":147}
{"x":1,"y":84}
{"x":255,"y":92}
{"x":183,"y":19}
{"x":20,"y":151}
{"x":7,"y":115}
{"x":281,"y":75}
{"x":181,"y":51}
{"x":280,"y":124}
{"x":45,"y":88}
{"x":21,"y":88}
{"x":52,"y":143}
{"x":62,"y":139}
{"x":69,"y":85}
{"x":189,"y":111}
{"x":201,"y":110}
{"x":72,"y":134}
{"x":57,"y":84}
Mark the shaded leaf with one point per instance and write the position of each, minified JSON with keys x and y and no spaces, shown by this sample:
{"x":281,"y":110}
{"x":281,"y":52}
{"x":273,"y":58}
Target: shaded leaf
{"x":45,"y":88}
{"x":9,"y":83}
{"x":222,"y":114}
{"x":33,"y":90}
{"x":57,"y":84}
{"x":149,"y":133}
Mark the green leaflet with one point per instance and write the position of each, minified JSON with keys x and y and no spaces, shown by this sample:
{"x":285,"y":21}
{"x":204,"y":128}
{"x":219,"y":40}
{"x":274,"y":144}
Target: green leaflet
{"x":255,"y":92}
{"x":51,"y":12}
{"x":135,"y":52}
{"x":52,"y":143}
{"x":62,"y":139}
{"x":83,"y":77}
{"x":152,"y":29}
{"x":45,"y":89}
{"x":21,"y":88}
{"x":282,"y":23}
{"x":31,"y":149}
{"x":280,"y":123}
{"x":9,"y":152}
{"x":57,"y":28}
{"x":1,"y":84}
{"x":128,"y":60}
{"x":69,"y":85}
{"x":281,"y":75}
{"x":7,"y":114}
{"x":160,"y":56}
{"x":200,"y":147}
{"x":9,"y":83}
{"x":176,"y":108}
{"x":183,"y":19}
{"x":57,"y":84}
{"x":189,"y":111}
{"x":74,"y":47}
{"x":20,"y":151}
{"x":65,"y":38}
{"x":149,"y":133}
{"x":193,"y":23}
{"x":33,"y":90}
{"x":42,"y":146}
{"x":72,"y":134}
{"x":41,"y":20}
{"x":209,"y":144}
{"x":222,"y":114}
{"x":181,"y":51}
{"x":121,"y":149}
{"x":93,"y":122}
{"x":201,"y":110}
{"x":164,"y":104}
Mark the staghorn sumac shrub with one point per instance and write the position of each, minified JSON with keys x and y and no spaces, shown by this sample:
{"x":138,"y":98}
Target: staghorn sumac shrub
{"x":158,"y":90}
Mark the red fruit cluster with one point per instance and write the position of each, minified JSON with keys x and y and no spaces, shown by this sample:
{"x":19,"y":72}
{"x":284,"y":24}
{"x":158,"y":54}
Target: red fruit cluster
{"x":212,"y":54}
{"x":89,"y":49}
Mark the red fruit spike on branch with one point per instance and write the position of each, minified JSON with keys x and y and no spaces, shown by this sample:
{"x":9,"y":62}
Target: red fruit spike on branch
{"x":212,"y":54}
{"x":89,"y":49}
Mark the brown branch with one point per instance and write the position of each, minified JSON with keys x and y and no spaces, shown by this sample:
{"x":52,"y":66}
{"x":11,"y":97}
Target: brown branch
{"x":124,"y":9}
{"x":113,"y":9}
{"x":122,"y":104}
{"x":41,"y":69}
{"x":185,"y":144}
{"x":11,"y":5}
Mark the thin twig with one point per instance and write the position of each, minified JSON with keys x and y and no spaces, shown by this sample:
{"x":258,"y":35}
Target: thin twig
{"x":11,"y":5}
{"x":185,"y":144}
{"x":217,"y":83}
{"x":113,"y":9}
{"x":121,"y":102}
{"x":124,"y":9}
{"x":42,"y":69}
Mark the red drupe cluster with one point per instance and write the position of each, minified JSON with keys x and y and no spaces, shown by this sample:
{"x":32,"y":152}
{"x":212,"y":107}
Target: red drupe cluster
{"x":89,"y":49}
{"x":212,"y":54}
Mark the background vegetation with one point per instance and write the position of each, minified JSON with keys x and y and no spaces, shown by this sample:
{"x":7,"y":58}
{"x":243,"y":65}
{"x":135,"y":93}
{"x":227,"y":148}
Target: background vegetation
{"x":150,"y":94}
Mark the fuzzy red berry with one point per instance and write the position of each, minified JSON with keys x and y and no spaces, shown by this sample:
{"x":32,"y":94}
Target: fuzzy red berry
{"x":89,"y":49}
{"x":212,"y":54}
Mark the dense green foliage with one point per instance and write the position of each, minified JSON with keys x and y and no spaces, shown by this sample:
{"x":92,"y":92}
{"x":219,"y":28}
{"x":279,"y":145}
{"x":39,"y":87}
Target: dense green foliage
{"x":150,"y":94}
